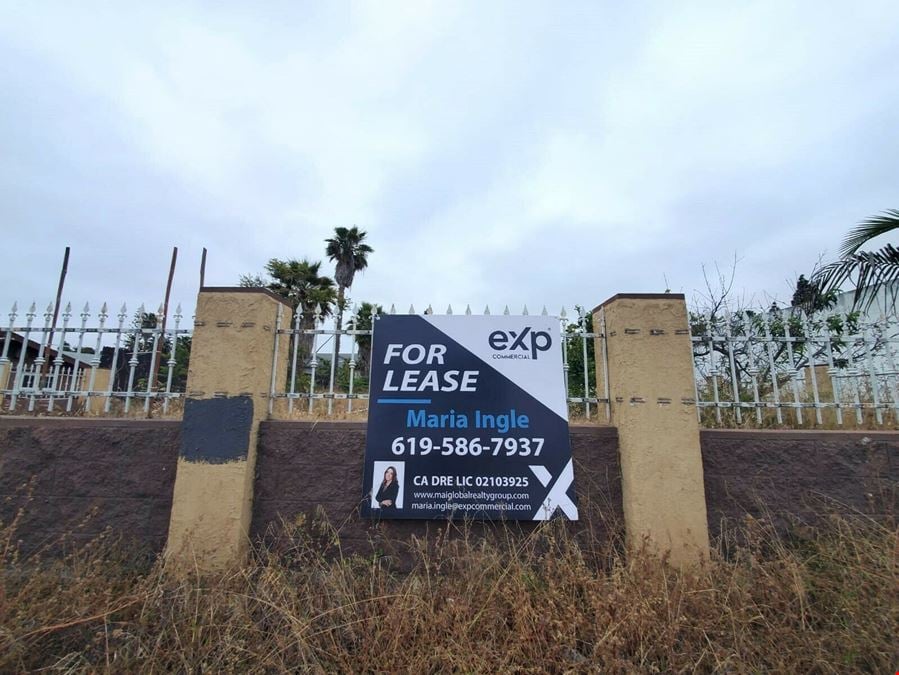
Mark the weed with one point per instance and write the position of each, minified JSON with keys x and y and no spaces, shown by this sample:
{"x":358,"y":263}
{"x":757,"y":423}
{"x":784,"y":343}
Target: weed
{"x":820,"y":600}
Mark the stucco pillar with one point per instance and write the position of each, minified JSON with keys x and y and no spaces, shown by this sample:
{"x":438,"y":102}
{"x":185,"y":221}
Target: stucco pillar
{"x":228,"y":384}
{"x":101,"y":384}
{"x":650,"y":364}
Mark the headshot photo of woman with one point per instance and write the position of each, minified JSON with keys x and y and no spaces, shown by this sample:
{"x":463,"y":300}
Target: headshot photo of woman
{"x":389,"y":490}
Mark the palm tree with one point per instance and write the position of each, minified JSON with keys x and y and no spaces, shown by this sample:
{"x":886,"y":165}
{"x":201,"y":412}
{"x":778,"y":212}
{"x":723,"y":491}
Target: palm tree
{"x":299,"y":282}
{"x":869,"y":271}
{"x":347,"y":249}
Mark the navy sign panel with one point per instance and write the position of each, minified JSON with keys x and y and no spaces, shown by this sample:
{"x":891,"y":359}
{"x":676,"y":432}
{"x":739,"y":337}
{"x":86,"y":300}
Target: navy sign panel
{"x":468,"y":418}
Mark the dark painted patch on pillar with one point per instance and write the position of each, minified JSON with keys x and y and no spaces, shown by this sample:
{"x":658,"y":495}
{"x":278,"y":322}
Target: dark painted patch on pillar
{"x":216,"y":430}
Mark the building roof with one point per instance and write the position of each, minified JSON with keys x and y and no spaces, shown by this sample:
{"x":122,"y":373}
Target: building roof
{"x":34,"y":347}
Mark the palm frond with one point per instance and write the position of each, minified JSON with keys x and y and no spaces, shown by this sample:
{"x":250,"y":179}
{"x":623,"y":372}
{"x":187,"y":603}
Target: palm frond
{"x":868,"y":271}
{"x":868,"y":229}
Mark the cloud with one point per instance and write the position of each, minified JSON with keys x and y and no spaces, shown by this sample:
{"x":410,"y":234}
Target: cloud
{"x":523,"y":153}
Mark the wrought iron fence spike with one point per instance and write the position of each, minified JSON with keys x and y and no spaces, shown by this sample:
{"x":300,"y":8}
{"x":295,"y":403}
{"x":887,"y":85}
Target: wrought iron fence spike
{"x":783,"y":352}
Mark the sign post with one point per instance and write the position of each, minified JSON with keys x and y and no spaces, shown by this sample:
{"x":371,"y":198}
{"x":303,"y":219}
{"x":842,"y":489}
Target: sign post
{"x":468,"y":418}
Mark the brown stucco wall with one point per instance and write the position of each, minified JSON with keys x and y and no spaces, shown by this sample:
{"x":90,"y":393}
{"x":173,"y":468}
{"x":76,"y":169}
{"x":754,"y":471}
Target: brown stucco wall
{"x":784,"y":475}
{"x":85,"y":475}
{"x":122,"y":472}
{"x":790,"y":475}
{"x":302,"y":464}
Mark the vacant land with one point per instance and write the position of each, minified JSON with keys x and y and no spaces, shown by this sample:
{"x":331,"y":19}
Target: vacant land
{"x":819,"y":600}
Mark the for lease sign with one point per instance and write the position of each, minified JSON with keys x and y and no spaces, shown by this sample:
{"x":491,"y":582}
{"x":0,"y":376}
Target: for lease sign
{"x":468,"y":418}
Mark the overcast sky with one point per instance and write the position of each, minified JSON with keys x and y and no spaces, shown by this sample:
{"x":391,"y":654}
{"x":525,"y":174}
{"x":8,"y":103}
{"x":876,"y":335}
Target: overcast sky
{"x":542,"y":153}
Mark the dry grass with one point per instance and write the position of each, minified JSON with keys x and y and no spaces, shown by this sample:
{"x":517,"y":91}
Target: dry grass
{"x":823,"y":600}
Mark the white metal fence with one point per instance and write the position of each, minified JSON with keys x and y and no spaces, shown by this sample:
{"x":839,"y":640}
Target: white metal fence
{"x":92,"y":362}
{"x":785,"y":367}
{"x":774,"y":368}
{"x":32,"y":378}
{"x":322,"y":382}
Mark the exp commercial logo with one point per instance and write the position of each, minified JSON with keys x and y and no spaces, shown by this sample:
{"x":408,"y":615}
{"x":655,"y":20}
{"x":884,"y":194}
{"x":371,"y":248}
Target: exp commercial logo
{"x":526,"y":344}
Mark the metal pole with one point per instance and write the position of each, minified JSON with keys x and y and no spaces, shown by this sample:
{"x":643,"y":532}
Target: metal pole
{"x":160,"y":337}
{"x":62,"y":283}
{"x":203,"y":270}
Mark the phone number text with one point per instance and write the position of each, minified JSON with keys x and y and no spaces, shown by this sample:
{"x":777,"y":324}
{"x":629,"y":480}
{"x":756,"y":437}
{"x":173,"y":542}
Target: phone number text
{"x":520,"y":447}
